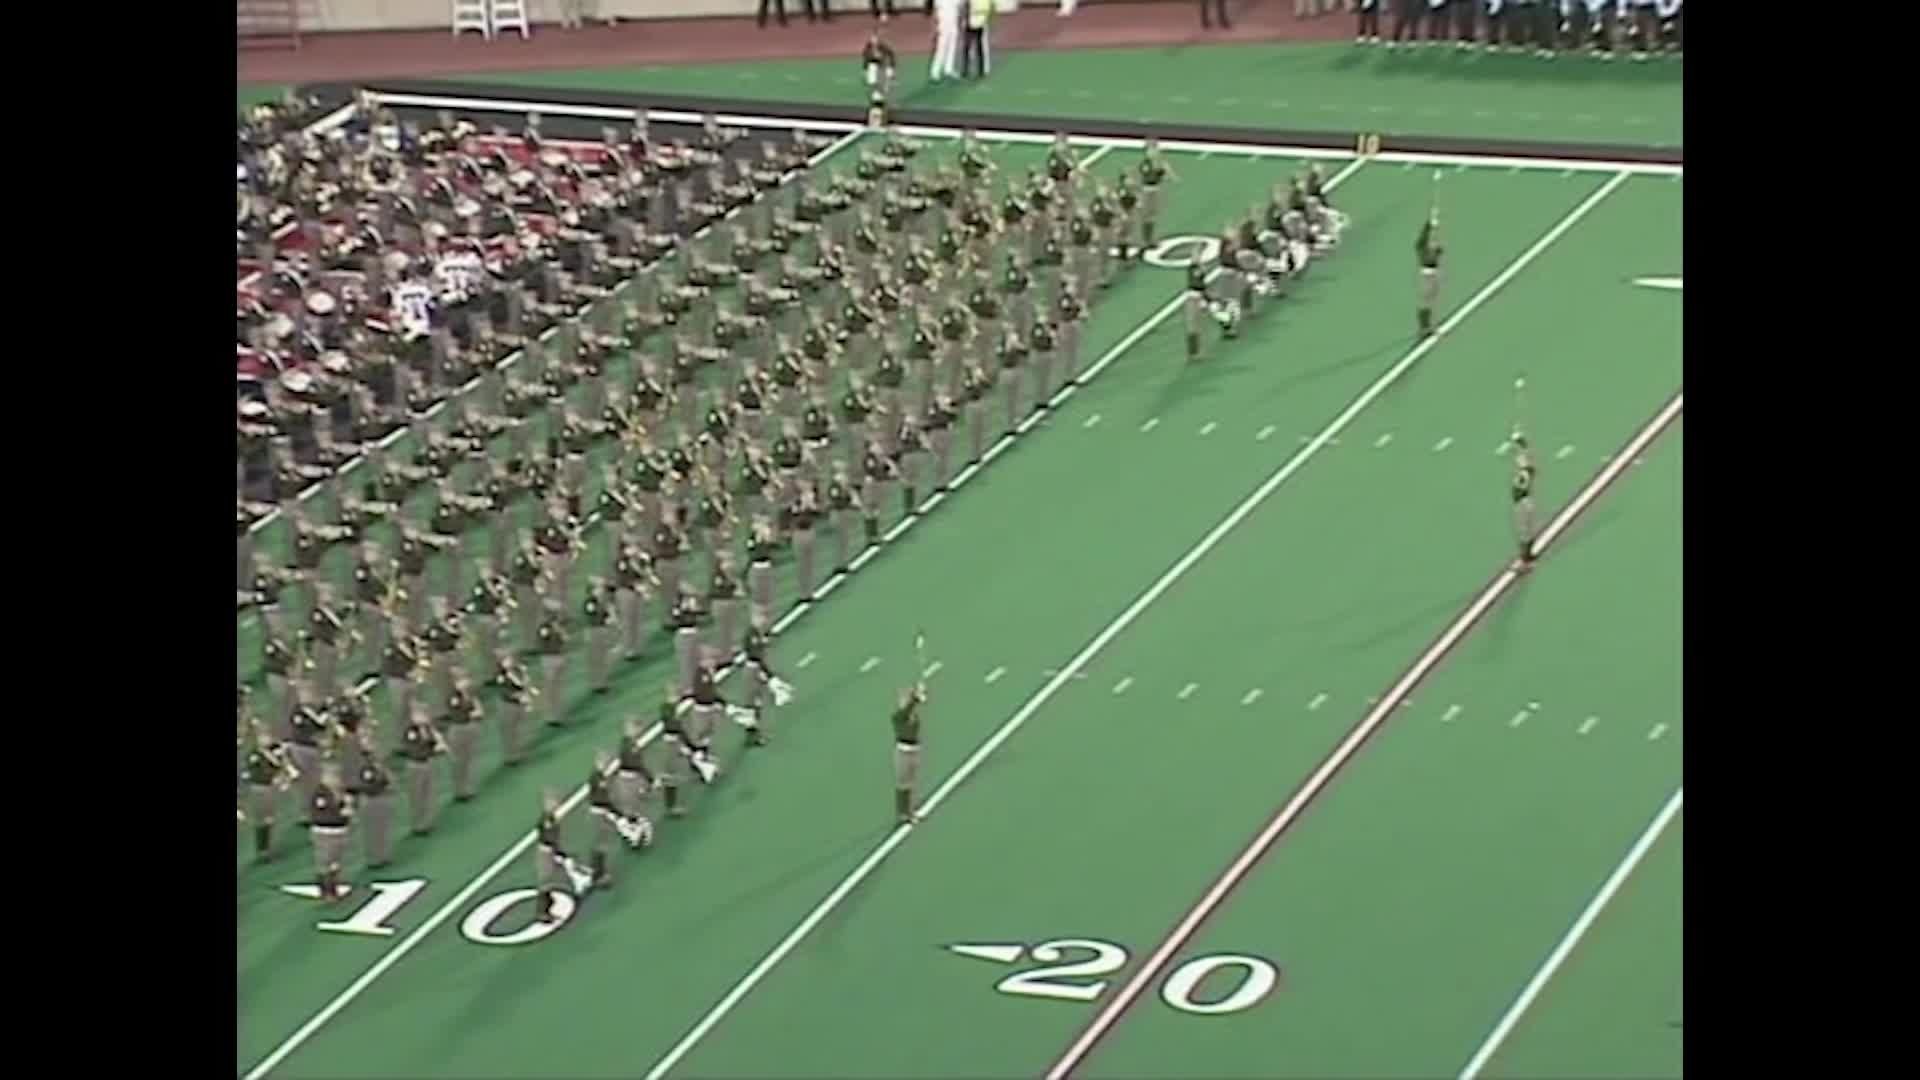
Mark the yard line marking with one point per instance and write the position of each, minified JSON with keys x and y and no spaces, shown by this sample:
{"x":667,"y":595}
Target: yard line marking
{"x":1187,"y":691}
{"x":1501,"y":450}
{"x":1574,"y":933}
{"x":1318,"y":700}
{"x":1658,"y":730}
{"x":1121,"y":686}
{"x":994,"y":675}
{"x":1563,"y":453}
{"x":805,"y":660}
{"x":1383,"y":440}
{"x":1087,"y":162}
{"x":1031,"y":138}
{"x":871,"y":663}
{"x":1091,"y":420}
{"x":1207,"y":429}
{"x":1443,"y":443}
{"x":1252,"y":696}
{"x":1452,"y":711}
{"x":1587,"y":724}
{"x":1519,"y":718}
{"x":1150,"y":424}
{"x":1264,"y":432}
{"x":1216,"y":894}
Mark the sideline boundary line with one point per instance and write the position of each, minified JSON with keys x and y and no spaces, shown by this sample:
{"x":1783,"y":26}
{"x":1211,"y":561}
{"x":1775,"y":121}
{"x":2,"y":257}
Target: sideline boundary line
{"x":1344,"y":751}
{"x":466,"y":894}
{"x":613,"y":112}
{"x":1648,"y":837}
{"x":1126,"y":618}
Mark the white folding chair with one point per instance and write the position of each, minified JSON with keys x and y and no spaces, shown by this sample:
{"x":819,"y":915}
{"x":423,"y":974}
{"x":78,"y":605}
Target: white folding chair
{"x":472,"y":15}
{"x":509,"y":15}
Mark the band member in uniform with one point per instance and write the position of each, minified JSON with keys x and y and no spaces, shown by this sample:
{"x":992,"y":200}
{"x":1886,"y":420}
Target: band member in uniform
{"x":1069,"y":311}
{"x":1196,"y":312}
{"x":1427,"y":250}
{"x":400,"y":667}
{"x":330,"y":812}
{"x":843,"y":509}
{"x":797,"y":523}
{"x":678,"y":753}
{"x":761,"y":680}
{"x":1523,"y":477}
{"x":269,"y":773}
{"x":708,"y":707}
{"x":372,"y":791}
{"x":632,"y":778}
{"x":553,"y":870}
{"x":723,"y":601}
{"x":906,"y":750}
{"x":551,"y":643}
{"x":490,"y":601}
{"x":633,"y":585}
{"x":464,"y":715}
{"x":308,"y":728}
{"x":1155,"y":173}
{"x":683,"y":624}
{"x":516,"y":693}
{"x":762,"y":543}
{"x":611,"y":822}
{"x":598,"y":612}
{"x":527,"y":576}
{"x":420,"y":743}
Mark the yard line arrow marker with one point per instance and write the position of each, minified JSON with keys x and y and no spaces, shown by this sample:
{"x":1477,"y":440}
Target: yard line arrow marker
{"x":999,"y":954}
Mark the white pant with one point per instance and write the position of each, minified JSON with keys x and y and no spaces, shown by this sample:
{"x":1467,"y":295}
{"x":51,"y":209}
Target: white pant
{"x":946,"y":44}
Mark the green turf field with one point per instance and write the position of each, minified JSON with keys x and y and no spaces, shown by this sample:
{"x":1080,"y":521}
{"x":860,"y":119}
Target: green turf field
{"x":1296,"y":87}
{"x":1155,"y":625}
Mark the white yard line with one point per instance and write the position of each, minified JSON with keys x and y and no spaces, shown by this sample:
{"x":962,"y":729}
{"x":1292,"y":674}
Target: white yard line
{"x":1036,"y":138}
{"x":466,"y":894}
{"x":1217,"y":893}
{"x":1207,"y":543}
{"x":1573,"y":935}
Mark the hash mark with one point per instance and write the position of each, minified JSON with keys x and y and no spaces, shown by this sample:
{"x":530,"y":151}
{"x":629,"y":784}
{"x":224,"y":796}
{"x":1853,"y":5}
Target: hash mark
{"x":1252,"y":696}
{"x":994,"y":675}
{"x":1208,"y":429}
{"x":1443,"y":443}
{"x":1150,"y":424}
{"x":1264,"y":432}
{"x":1092,"y":420}
{"x":872,"y":662}
{"x":1121,"y":686}
{"x":1187,"y":691}
{"x":805,"y":660}
{"x":1318,"y":700}
{"x":1452,"y":711}
{"x":1658,"y":730}
{"x":1587,"y":724}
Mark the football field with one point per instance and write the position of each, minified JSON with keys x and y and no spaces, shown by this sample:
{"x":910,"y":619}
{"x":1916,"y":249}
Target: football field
{"x":1248,"y":752}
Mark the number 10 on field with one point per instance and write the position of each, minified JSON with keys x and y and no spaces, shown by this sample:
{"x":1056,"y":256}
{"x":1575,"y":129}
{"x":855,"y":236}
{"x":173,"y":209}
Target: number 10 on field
{"x":1076,"y":969}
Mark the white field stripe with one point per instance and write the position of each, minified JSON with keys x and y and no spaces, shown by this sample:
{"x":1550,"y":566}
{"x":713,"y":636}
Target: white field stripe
{"x":394,"y":436}
{"x":412,"y":940}
{"x":1574,"y":933}
{"x":1033,"y":138}
{"x":1126,"y":618}
{"x":1347,"y":747}
{"x":1087,"y":162}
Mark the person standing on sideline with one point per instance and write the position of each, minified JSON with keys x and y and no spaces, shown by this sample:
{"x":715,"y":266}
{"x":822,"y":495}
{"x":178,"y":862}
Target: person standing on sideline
{"x":978,"y":60}
{"x":1369,"y":22}
{"x":825,"y":8}
{"x":946,"y":38}
{"x":779,"y":11}
{"x":1067,"y":7}
{"x":882,"y":7}
{"x":1219,"y":13}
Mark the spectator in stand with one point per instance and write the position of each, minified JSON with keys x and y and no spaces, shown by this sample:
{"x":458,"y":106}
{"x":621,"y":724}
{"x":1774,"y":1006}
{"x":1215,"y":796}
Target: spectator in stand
{"x":1220,"y":13}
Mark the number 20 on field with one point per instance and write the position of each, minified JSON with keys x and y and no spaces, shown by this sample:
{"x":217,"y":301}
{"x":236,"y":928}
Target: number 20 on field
{"x":1234,"y":982}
